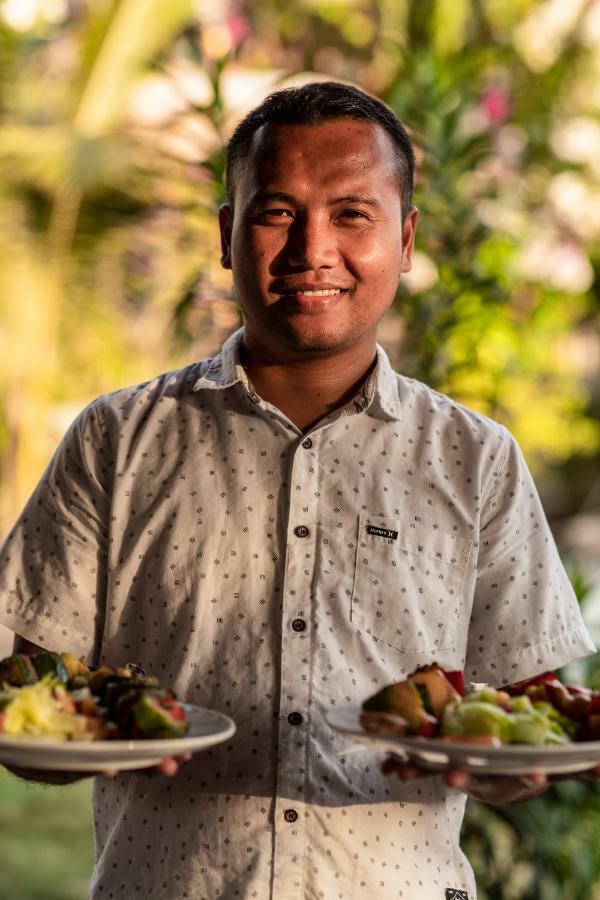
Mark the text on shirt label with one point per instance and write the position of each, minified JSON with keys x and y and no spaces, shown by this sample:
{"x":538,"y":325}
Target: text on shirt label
{"x":382,"y":532}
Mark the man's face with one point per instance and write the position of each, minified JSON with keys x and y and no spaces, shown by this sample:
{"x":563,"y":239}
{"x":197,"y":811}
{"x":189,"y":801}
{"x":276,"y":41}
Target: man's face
{"x":316,"y":208}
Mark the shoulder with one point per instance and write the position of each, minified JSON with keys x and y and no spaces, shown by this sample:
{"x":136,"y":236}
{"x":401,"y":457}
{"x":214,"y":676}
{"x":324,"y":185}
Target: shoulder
{"x":132,"y":406}
{"x":455,"y":429}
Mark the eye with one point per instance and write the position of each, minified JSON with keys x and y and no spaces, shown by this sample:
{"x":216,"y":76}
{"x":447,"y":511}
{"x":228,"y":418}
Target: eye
{"x":353,"y":214}
{"x":276,"y":213}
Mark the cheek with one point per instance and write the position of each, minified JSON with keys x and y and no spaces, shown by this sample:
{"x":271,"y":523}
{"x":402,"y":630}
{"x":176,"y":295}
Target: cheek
{"x":375,"y":252}
{"x":255,"y":251}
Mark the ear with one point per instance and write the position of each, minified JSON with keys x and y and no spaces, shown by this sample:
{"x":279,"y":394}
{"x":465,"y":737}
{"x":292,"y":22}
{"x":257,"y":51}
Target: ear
{"x":225,"y":226}
{"x":409,"y":228}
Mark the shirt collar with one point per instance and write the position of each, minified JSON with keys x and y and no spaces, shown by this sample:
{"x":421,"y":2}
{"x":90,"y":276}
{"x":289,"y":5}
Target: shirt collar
{"x":380,"y":389}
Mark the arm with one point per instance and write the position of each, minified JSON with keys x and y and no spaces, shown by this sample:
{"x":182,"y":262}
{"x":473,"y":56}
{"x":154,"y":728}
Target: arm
{"x":22,"y":645}
{"x":525,"y":618}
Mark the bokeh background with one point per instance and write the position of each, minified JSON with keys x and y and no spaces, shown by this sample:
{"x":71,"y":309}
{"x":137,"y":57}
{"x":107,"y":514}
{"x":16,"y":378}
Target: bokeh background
{"x":114,"y":116}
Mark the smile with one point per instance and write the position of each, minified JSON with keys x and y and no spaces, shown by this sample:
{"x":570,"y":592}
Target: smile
{"x":323,"y":292}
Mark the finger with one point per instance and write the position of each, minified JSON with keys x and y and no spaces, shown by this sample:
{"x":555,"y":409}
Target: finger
{"x":535,"y":780}
{"x":457,"y":778}
{"x":168,"y":766}
{"x":407,"y":773}
{"x":404,"y":771}
{"x":183,"y":757}
{"x":390,"y":765}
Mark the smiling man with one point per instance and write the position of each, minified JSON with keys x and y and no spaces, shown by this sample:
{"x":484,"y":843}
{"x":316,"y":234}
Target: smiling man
{"x":317,"y":250}
{"x":282,"y":529}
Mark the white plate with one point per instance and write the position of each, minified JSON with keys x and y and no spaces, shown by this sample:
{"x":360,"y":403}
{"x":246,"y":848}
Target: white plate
{"x":437,"y":756}
{"x":207,"y":728}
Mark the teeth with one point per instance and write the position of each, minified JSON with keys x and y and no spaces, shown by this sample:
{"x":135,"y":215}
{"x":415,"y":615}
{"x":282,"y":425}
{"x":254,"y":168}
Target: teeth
{"x":327,"y":293}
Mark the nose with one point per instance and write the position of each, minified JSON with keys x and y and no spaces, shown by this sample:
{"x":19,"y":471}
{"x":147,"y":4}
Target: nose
{"x":311,"y":243}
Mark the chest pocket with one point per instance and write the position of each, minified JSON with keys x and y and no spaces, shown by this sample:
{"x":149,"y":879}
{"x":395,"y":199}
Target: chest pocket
{"x":408,"y":582}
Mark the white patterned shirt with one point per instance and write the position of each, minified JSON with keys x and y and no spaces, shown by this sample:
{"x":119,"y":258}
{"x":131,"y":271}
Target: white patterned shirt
{"x":189,"y":526}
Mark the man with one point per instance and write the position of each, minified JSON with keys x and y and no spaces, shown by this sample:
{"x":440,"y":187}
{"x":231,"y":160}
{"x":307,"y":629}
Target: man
{"x":221,"y":526}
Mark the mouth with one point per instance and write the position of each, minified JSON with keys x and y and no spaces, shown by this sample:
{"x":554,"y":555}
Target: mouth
{"x":312,"y":301}
{"x":321,"y":292}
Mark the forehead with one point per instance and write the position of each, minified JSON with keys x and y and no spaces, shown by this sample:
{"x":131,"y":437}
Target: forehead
{"x":306,"y":157}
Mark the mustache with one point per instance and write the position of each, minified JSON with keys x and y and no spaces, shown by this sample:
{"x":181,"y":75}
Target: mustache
{"x":290,"y":286}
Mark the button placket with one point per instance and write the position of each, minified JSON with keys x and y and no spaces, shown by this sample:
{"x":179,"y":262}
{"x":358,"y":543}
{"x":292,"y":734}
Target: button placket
{"x":295,"y":670}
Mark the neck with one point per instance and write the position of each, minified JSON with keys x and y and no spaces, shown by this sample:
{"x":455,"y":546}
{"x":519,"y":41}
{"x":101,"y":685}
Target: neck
{"x":306,"y":390}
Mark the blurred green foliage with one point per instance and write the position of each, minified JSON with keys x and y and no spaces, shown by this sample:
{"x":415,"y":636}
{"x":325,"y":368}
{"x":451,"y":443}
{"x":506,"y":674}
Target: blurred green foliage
{"x":114,"y":116}
{"x":45,"y":839}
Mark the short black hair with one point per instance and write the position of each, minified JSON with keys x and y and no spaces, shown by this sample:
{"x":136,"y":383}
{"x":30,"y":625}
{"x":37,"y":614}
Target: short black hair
{"x":319,"y":102}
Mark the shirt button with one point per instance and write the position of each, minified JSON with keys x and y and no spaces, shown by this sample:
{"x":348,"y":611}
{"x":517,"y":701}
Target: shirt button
{"x":290,"y":815}
{"x":298,"y":624}
{"x":295,"y":718}
{"x":307,"y":443}
{"x":301,"y":531}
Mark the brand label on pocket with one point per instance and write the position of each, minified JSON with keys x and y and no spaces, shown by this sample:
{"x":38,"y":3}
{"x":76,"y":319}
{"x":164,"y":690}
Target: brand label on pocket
{"x":382,"y":532}
{"x":455,"y":894}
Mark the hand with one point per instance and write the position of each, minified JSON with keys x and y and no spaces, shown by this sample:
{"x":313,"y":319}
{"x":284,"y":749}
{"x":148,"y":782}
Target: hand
{"x":492,"y":789}
{"x":169,"y":766}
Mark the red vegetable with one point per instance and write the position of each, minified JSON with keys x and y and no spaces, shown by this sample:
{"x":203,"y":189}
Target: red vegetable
{"x":578,"y":691}
{"x":521,"y":686}
{"x":175,"y":709}
{"x":427,"y":726}
{"x":457,"y":681}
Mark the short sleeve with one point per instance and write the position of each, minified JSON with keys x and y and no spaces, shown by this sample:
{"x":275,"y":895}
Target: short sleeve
{"x":53,"y":564}
{"x":525,"y":616}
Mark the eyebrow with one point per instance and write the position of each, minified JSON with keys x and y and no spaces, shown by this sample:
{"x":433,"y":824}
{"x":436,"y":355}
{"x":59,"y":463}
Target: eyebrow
{"x":289,"y":198}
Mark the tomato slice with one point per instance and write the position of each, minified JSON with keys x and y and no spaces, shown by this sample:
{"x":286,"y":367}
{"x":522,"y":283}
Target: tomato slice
{"x":519,"y":687}
{"x":457,"y":681}
{"x":174,"y":708}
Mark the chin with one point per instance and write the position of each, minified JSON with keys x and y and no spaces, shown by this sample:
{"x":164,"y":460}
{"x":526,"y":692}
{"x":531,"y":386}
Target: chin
{"x":316,"y":340}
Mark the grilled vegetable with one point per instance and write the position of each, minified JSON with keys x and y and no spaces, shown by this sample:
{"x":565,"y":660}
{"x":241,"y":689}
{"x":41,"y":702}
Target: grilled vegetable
{"x":402,"y":699}
{"x":75,"y":667}
{"x":50,"y":664}
{"x":57,"y":695}
{"x":17,"y":670}
{"x":159,"y":717}
{"x":384,"y":723}
{"x":435,"y":689}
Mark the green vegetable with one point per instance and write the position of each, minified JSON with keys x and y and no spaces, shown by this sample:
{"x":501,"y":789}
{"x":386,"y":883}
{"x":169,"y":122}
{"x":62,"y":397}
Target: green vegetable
{"x":17,"y":670}
{"x":521,"y":704}
{"x":523,"y":723}
{"x":474,"y":717}
{"x":50,"y":664}
{"x":488,"y":695}
{"x":154,"y":721}
{"x":528,"y":728}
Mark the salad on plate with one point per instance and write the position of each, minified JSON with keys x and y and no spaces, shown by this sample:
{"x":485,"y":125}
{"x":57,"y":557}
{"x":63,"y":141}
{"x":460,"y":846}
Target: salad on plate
{"x":57,"y":696}
{"x":432,"y":703}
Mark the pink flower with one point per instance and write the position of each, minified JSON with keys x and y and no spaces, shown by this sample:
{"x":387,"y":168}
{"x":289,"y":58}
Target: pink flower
{"x":495,"y":103}
{"x":238,"y":28}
